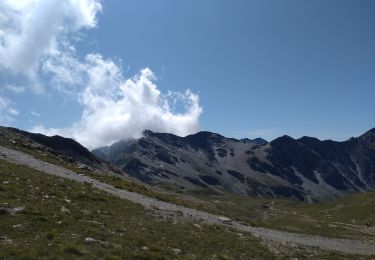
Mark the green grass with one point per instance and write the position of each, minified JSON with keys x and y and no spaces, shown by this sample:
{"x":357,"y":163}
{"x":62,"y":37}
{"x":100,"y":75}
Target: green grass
{"x":356,"y":209}
{"x":60,"y":215}
{"x":62,"y":219}
{"x":127,"y":184}
{"x":349,"y":217}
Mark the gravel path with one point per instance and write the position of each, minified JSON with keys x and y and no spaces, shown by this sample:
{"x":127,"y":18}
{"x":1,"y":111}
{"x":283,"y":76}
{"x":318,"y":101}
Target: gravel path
{"x":340,"y":245}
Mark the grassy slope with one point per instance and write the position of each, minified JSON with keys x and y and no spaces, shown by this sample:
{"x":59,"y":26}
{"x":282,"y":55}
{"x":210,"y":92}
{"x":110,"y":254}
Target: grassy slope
{"x":352,"y":216}
{"x":59,"y":215}
{"x":349,"y":217}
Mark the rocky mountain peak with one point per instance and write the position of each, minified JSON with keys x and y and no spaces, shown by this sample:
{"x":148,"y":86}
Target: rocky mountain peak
{"x":305,"y":168}
{"x":284,"y":140}
{"x":259,"y":141}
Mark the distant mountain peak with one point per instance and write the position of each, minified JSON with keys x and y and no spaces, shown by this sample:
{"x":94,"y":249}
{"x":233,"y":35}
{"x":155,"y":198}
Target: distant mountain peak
{"x":147,"y":133}
{"x":206,"y":134}
{"x":259,"y":141}
{"x":305,"y":168}
{"x":284,"y":140}
{"x":308,"y":138}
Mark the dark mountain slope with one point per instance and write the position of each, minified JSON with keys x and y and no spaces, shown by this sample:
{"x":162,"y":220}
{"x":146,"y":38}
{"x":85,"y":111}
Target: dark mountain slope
{"x":306,"y":169}
{"x":65,"y":148}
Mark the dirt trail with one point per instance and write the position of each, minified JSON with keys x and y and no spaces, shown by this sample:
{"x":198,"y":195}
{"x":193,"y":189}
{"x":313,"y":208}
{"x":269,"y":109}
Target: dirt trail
{"x":340,"y":245}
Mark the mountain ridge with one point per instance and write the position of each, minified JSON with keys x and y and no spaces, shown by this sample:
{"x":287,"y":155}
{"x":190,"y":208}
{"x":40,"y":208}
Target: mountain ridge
{"x":65,"y":149}
{"x":306,"y":168}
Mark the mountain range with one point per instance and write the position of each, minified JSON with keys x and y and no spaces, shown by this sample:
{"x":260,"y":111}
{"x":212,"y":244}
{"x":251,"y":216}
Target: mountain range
{"x":305,"y":169}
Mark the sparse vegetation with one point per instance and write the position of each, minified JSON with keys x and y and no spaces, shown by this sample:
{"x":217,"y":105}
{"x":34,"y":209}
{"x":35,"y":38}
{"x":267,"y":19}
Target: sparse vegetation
{"x":62,"y":219}
{"x":349,"y":217}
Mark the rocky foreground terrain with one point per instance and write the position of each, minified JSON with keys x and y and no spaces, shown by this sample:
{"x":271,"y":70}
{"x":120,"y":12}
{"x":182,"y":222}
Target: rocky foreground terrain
{"x":306,"y":169}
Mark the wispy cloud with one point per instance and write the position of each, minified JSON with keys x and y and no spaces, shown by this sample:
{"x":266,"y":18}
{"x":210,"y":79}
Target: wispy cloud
{"x":33,"y":113}
{"x":15,"y":89}
{"x":13,"y":112}
{"x":7,"y":112}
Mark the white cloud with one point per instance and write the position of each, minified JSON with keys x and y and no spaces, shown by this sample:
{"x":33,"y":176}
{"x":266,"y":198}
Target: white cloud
{"x":15,"y":89}
{"x":32,"y":32}
{"x":37,"y":40}
{"x":7,"y":113}
{"x":116,"y":108}
{"x":33,"y":113}
{"x":13,"y":111}
{"x":66,"y":70}
{"x":3,"y":103}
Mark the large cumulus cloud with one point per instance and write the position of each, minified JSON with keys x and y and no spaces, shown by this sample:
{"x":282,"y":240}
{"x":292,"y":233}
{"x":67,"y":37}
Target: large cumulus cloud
{"x":37,"y":39}
{"x":116,"y":108}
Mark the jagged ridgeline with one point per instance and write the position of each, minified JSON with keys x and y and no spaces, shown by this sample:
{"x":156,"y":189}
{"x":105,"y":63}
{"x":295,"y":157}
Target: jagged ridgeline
{"x":306,"y":169}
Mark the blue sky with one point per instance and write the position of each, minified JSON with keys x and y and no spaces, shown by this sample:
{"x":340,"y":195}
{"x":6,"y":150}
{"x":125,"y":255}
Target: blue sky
{"x":260,"y":68}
